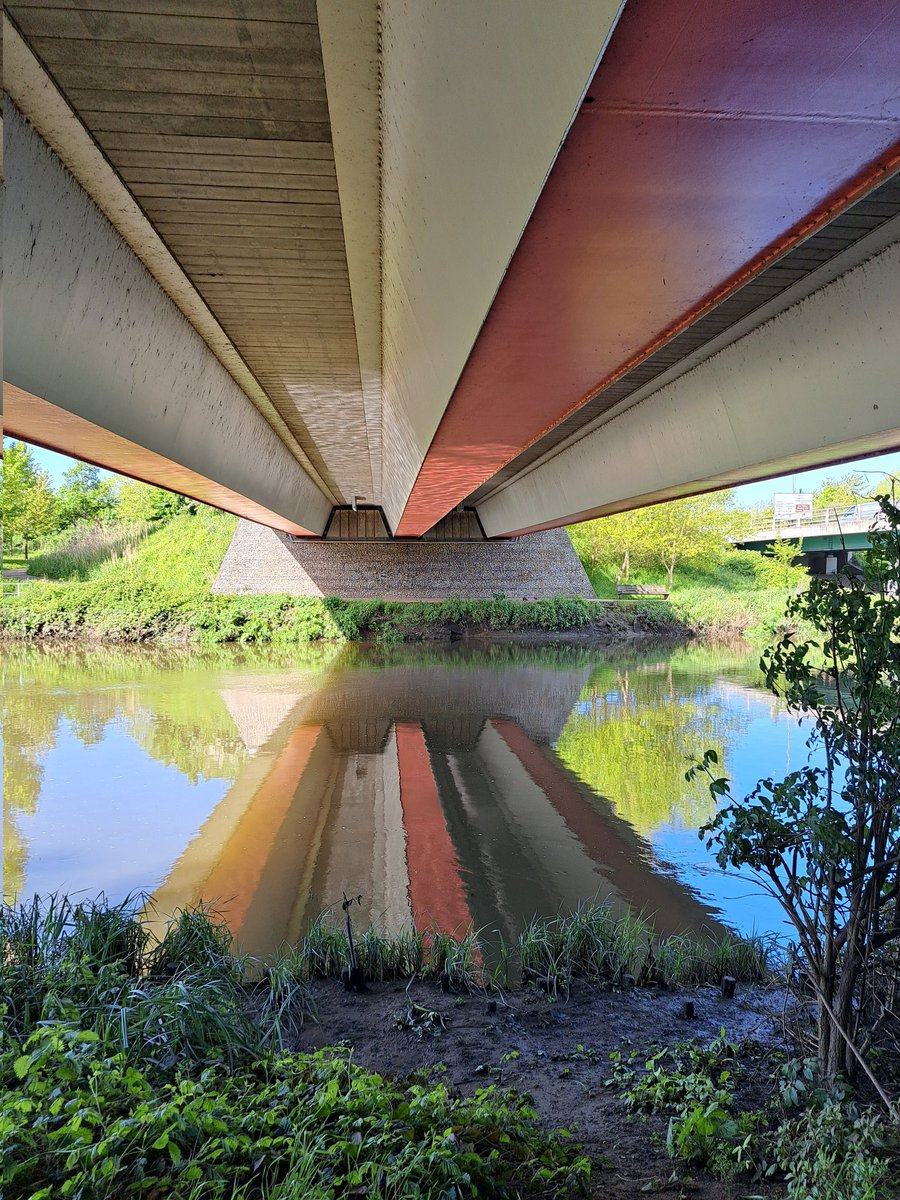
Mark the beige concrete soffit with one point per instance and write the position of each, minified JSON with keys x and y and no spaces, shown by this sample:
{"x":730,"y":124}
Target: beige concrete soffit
{"x":39,"y":100}
{"x":348,"y":30}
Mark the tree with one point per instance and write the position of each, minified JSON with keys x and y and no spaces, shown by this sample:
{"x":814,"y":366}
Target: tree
{"x":686,"y":530}
{"x":841,"y":491}
{"x":40,"y":515}
{"x":617,"y":536}
{"x":778,"y":566}
{"x":825,"y":840}
{"x":29,"y":505}
{"x":19,"y":470}
{"x":143,"y":502}
{"x":85,"y":496}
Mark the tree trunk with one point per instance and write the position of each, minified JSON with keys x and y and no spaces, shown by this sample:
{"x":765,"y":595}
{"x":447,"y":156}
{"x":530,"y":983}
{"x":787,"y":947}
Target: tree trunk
{"x":670,"y":567}
{"x":835,"y":1056}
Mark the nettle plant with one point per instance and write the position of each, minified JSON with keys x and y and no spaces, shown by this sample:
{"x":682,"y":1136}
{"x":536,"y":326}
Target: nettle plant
{"x":825,"y":840}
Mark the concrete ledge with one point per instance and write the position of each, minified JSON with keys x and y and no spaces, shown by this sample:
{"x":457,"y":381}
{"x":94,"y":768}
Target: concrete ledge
{"x":260,"y":561}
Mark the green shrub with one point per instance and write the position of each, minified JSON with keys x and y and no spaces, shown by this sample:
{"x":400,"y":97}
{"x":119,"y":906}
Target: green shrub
{"x":833,"y":1151}
{"x":78,"y":1121}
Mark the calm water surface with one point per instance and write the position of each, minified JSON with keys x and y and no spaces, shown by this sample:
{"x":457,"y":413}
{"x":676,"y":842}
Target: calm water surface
{"x":451,"y":785}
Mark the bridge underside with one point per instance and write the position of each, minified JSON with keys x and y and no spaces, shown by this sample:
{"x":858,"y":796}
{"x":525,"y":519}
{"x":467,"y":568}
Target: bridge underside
{"x":451,"y":263}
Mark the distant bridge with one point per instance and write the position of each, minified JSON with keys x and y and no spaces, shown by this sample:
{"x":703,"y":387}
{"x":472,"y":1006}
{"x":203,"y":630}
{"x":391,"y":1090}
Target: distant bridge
{"x":846,"y":528}
{"x":827,"y":537}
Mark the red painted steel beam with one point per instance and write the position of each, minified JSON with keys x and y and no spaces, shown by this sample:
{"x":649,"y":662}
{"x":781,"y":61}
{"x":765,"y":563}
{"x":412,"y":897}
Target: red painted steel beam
{"x":712,"y":139}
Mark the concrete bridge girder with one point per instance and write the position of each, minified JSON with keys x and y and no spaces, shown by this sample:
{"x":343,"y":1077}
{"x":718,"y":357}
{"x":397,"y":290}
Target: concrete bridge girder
{"x":430,"y":255}
{"x":89,"y":331}
{"x":813,"y":385}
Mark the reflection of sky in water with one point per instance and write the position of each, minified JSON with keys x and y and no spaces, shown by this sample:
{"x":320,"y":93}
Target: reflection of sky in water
{"x":111,"y":818}
{"x":772,"y":743}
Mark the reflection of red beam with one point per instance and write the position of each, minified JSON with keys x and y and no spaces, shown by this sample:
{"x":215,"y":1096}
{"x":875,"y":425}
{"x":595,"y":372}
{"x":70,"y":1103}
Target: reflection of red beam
{"x":234,"y":880}
{"x":712,"y":140}
{"x":436,"y":892}
{"x":663,"y":899}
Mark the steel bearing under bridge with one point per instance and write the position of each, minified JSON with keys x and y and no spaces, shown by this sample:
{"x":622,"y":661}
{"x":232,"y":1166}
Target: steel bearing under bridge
{"x":523,"y":261}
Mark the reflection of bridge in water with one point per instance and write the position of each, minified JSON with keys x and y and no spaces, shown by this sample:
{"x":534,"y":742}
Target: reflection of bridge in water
{"x":433,"y":792}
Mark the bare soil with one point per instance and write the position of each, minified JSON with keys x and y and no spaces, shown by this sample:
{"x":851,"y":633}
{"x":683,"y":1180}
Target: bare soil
{"x":628,"y":1153}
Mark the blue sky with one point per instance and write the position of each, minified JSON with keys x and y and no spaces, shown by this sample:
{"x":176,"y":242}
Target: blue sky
{"x":751,"y":493}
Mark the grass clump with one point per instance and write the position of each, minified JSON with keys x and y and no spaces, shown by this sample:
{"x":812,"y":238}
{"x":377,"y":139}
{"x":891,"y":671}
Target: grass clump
{"x":80,"y":551}
{"x":594,"y":943}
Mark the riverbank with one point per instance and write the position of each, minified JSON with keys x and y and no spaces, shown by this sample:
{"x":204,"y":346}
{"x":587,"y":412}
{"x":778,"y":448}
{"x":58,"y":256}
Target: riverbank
{"x":131,"y":1066}
{"x":156,"y":587}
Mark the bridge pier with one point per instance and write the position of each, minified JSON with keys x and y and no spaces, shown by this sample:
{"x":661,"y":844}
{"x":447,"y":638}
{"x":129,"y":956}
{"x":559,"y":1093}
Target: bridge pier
{"x":262,"y":561}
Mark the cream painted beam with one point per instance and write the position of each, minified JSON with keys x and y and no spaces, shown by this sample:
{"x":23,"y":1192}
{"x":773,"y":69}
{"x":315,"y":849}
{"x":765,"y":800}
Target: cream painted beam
{"x":89,"y":330}
{"x":816,"y":384}
{"x":348,"y":30}
{"x":476,"y":101}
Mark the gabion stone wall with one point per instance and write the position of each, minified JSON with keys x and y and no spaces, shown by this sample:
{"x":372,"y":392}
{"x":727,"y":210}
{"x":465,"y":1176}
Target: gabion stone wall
{"x":261,"y":561}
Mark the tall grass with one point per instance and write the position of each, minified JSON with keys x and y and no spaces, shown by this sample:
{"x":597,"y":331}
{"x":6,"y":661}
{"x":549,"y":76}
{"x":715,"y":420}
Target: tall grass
{"x":179,"y":994}
{"x":77,"y":553}
{"x":593,"y":943}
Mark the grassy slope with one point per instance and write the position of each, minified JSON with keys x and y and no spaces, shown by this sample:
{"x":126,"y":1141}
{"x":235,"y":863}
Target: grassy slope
{"x":135,"y":586}
{"x":724,"y":597}
{"x":160,"y":588}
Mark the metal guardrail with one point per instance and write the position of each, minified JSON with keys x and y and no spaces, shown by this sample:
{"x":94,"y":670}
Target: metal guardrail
{"x":840,"y":517}
{"x":12,"y":587}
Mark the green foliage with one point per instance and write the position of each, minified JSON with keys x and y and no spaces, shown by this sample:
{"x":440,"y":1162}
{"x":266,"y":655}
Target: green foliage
{"x":833,"y":1151}
{"x":754,"y":614}
{"x":138,"y":501}
{"x":130,"y":1067}
{"x":391,"y":621}
{"x":778,"y":568}
{"x":29,"y":508}
{"x":694,"y":529}
{"x":78,"y":1121}
{"x":594,"y":943}
{"x":85,"y":495}
{"x":80,"y":550}
{"x":694,"y":1085}
{"x":829,"y":1150}
{"x":841,"y":491}
{"x":826,"y":840}
{"x":135,"y":586}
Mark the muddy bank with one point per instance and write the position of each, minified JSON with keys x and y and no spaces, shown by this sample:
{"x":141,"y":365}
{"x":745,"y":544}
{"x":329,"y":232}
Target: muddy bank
{"x":558,"y":1051}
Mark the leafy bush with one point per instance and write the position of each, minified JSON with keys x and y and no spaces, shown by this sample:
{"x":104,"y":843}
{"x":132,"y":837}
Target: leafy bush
{"x":835,"y":1152}
{"x":825,"y":841}
{"x":78,"y":1121}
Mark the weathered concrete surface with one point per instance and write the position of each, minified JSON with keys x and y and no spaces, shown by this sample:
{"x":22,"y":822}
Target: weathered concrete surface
{"x":260,"y":561}
{"x":88,"y":329}
{"x":816,"y":384}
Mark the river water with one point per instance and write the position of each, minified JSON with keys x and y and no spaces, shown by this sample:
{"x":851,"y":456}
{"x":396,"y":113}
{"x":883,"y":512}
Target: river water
{"x":452,"y":785}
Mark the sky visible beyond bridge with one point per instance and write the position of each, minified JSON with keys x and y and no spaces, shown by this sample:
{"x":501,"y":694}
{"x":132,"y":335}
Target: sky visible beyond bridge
{"x":749,"y":494}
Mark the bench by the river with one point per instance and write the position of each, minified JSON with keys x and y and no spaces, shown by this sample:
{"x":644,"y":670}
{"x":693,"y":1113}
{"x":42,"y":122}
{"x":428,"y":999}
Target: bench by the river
{"x":657,"y":591}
